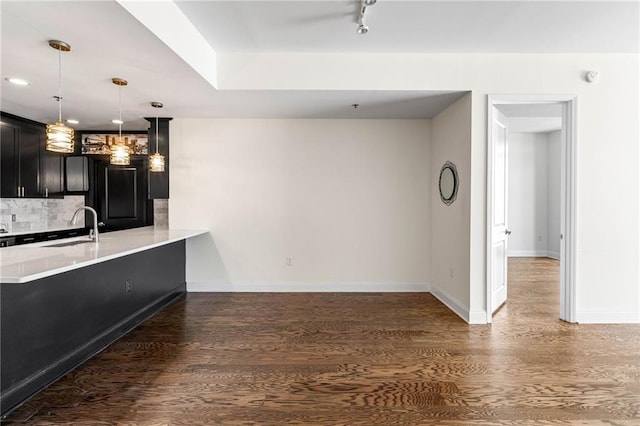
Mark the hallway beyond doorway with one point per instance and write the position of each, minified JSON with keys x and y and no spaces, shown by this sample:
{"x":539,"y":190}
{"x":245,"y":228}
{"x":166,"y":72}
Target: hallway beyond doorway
{"x":535,"y":293}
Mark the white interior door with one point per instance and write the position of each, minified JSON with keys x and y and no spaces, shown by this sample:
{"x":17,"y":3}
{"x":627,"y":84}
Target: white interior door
{"x":497,"y":217}
{"x":499,"y":230}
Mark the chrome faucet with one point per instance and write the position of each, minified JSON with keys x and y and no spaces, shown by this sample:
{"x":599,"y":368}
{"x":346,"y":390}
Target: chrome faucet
{"x":93,"y":234}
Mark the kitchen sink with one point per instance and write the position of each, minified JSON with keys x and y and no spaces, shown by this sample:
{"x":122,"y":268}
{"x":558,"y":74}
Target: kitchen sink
{"x":70,"y":243}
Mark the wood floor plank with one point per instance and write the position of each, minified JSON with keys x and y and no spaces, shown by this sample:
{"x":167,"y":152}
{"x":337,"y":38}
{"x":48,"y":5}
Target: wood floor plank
{"x":356,"y":359}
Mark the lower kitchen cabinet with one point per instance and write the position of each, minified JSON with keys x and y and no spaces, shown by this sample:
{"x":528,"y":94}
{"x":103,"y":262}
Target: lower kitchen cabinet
{"x":51,"y":325}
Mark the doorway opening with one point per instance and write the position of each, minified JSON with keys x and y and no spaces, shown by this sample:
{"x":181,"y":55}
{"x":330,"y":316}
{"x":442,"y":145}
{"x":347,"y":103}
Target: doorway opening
{"x":526,"y":112}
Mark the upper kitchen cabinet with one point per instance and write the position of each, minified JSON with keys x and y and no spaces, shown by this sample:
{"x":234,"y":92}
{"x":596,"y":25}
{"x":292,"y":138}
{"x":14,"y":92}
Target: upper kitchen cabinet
{"x":9,"y":183}
{"x":76,"y":174}
{"x":20,"y":155}
{"x":51,"y":173}
{"x":28,"y":170}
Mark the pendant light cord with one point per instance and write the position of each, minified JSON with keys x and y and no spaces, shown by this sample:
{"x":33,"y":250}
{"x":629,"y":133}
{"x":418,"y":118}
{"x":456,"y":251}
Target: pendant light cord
{"x":120,"y":114}
{"x":60,"y":85}
{"x":157,"y":135}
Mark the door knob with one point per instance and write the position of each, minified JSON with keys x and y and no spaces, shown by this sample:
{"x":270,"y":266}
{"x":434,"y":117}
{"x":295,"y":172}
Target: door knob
{"x":506,"y":231}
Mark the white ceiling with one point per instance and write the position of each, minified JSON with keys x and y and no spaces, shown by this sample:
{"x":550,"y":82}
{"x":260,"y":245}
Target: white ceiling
{"x":417,"y":26}
{"x":108,"y":42}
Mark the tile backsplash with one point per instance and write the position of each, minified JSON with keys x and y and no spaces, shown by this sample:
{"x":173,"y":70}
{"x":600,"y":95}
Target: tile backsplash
{"x":38,"y":214}
{"x":161,"y":213}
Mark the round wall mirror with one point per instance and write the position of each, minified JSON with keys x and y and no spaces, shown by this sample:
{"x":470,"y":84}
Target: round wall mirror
{"x":448,"y":183}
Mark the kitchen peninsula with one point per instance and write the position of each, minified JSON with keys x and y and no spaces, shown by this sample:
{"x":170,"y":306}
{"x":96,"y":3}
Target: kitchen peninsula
{"x":63,"y":302}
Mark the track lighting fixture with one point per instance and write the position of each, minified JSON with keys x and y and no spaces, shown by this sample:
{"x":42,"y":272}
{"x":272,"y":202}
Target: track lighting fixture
{"x":362,"y":27}
{"x":362,"y":23}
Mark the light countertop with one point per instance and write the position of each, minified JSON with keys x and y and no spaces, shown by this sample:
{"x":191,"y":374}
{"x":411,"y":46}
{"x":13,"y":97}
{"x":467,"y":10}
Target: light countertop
{"x":29,"y":262}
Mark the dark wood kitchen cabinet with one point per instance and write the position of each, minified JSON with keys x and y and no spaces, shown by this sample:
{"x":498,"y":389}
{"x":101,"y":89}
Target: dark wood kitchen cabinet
{"x":28,"y":170}
{"x":20,"y":161}
{"x":51,"y":173}
{"x":120,"y":194}
{"x":76,"y":174}
{"x":9,"y":186}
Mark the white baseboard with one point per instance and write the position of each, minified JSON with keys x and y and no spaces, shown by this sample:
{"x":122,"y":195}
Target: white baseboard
{"x":477,"y":317}
{"x":301,"y":287}
{"x":451,"y":303}
{"x":470,"y":317}
{"x":533,"y":253}
{"x":527,"y":253}
{"x":553,"y":255}
{"x":608,"y":317}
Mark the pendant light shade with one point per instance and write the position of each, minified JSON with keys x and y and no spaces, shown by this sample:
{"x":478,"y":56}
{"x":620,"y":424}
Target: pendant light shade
{"x":120,"y":154}
{"x":156,"y":161}
{"x":120,"y":151}
{"x":60,"y":138}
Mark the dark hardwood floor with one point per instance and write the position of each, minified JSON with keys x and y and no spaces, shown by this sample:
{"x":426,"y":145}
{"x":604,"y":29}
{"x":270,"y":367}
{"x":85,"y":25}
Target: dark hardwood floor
{"x":356,"y":359}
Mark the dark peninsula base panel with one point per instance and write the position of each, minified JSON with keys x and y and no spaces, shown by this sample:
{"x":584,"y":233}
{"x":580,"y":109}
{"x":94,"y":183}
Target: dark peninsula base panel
{"x":52,"y":325}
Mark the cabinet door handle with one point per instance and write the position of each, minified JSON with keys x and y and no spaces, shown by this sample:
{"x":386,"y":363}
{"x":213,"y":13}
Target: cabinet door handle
{"x":46,"y":193}
{"x":18,"y":190}
{"x":23,"y":191}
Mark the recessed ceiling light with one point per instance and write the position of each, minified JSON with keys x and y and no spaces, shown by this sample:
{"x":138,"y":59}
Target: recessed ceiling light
{"x":116,"y":121}
{"x":72,"y":121}
{"x":17,"y":81}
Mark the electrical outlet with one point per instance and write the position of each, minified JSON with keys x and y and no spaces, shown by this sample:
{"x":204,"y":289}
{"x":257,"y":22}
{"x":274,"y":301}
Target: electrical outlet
{"x":128,"y":286}
{"x":13,"y":217}
{"x":451,"y":274}
{"x":289,"y":261}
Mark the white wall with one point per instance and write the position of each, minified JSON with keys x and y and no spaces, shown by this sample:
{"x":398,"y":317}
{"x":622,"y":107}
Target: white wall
{"x":608,"y":135}
{"x":450,"y":237}
{"x":553,"y":194}
{"x":346,"y":200}
{"x":528,"y":194}
{"x":534,"y":194}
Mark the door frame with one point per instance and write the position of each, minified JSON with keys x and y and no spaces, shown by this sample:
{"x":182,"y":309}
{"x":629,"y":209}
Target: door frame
{"x":568,"y":207}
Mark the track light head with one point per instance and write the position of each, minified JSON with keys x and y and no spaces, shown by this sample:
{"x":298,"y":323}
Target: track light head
{"x":362,"y":26}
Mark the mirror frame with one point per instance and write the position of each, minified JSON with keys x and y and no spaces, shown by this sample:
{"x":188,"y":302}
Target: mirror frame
{"x":456,"y":181}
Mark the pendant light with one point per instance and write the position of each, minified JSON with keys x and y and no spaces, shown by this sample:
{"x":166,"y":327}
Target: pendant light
{"x":120,"y":152}
{"x":156,"y":161}
{"x":60,"y":138}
